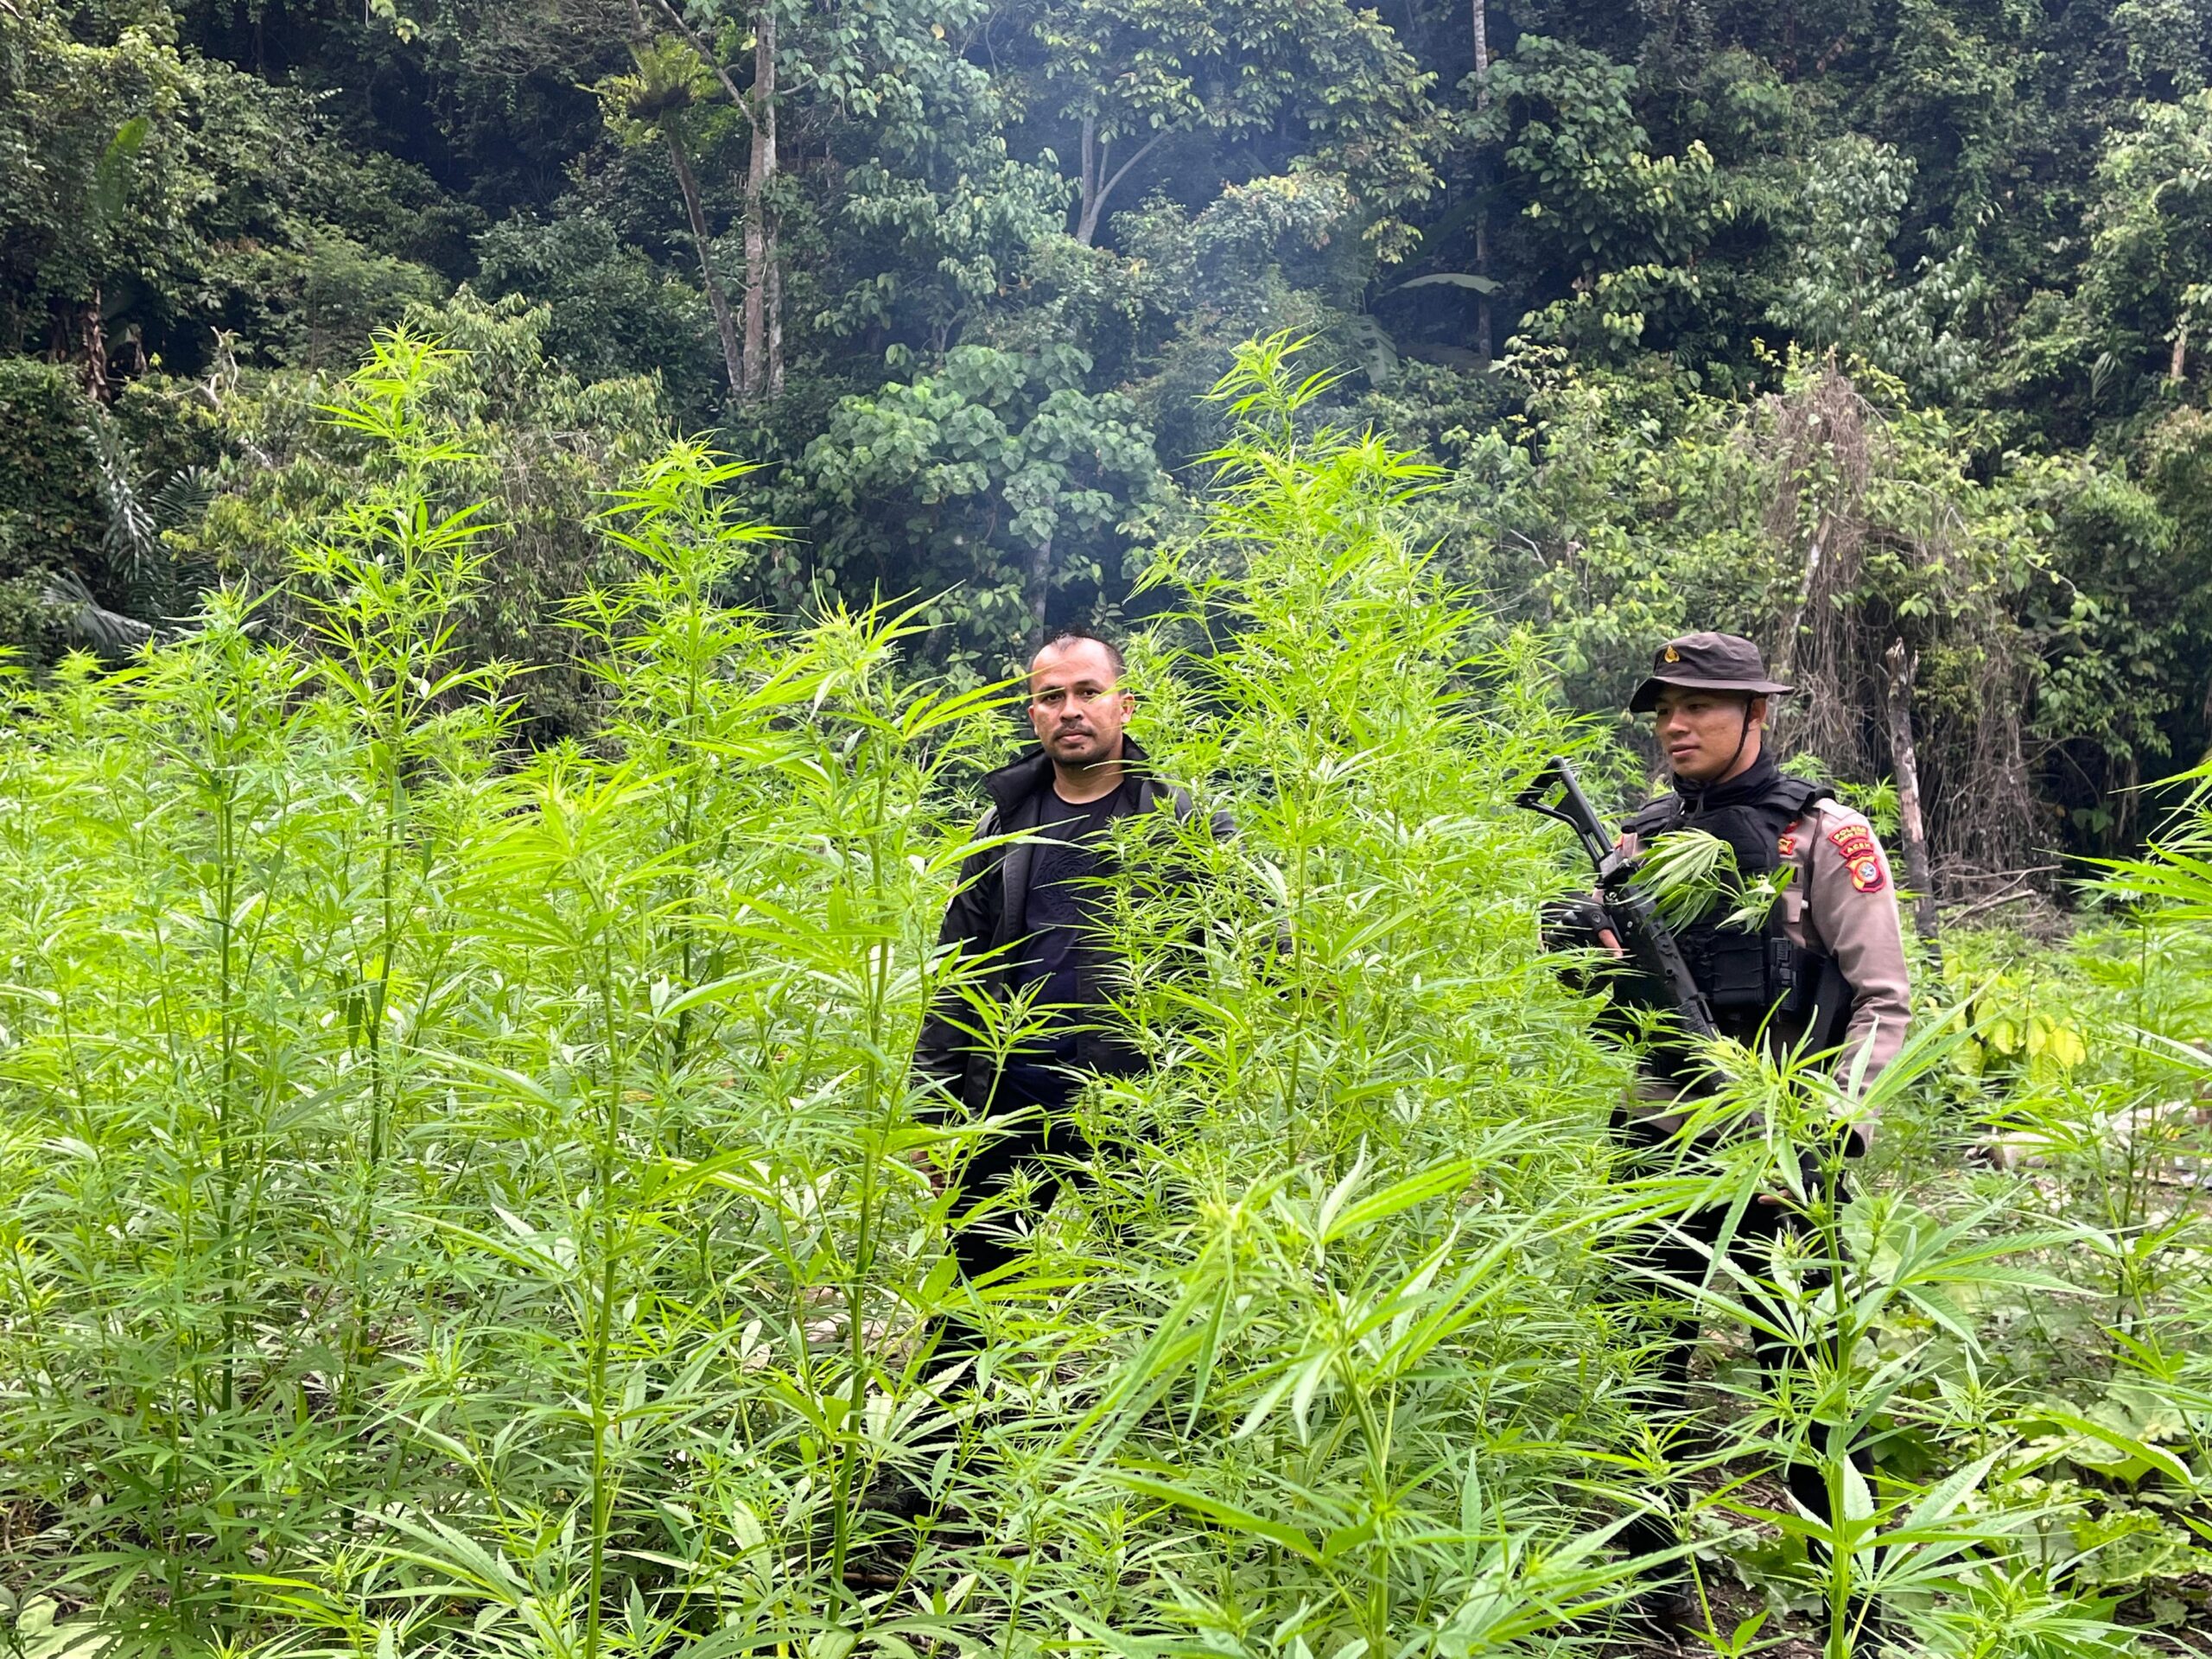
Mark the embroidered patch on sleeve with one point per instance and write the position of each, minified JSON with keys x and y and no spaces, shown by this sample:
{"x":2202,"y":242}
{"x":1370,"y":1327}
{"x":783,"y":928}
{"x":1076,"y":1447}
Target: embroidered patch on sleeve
{"x":1854,"y":845}
{"x":1787,"y":847}
{"x":1852,"y":841}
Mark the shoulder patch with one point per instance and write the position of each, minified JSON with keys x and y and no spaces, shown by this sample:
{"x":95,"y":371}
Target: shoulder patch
{"x":1854,"y":845}
{"x":1852,"y":842}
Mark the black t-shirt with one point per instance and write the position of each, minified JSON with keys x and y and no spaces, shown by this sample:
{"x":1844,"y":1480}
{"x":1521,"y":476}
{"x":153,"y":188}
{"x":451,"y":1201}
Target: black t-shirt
{"x":1062,"y":901}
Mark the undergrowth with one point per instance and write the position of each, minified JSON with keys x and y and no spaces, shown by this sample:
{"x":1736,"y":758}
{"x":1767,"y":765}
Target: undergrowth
{"x":463,"y":1201}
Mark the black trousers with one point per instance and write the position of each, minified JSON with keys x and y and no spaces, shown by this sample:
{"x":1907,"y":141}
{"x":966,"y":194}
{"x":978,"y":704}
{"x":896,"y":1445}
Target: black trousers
{"x":1686,"y":1254}
{"x":1041,"y":1146}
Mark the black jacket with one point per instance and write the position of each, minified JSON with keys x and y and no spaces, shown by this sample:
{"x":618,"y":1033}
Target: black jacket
{"x":988,"y":912}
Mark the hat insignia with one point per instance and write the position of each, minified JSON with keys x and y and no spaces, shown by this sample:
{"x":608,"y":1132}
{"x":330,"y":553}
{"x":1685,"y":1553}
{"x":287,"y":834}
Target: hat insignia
{"x":1672,"y":655}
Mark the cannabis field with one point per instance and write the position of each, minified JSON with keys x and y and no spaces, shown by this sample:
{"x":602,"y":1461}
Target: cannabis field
{"x":465,"y":1195}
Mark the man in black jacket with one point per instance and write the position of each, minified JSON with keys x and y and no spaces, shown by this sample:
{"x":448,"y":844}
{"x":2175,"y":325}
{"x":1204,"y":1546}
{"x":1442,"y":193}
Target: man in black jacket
{"x":1031,"y":911}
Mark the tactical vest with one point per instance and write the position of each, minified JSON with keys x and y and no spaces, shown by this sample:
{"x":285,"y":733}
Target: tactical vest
{"x":1761,"y":983}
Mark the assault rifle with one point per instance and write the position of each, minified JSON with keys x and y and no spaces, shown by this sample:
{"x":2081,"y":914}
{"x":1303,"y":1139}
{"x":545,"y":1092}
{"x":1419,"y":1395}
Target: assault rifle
{"x":1651,"y":973}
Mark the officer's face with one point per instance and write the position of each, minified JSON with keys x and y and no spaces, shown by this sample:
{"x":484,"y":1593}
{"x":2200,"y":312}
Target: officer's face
{"x":1076,"y":707}
{"x":1700,"y":732}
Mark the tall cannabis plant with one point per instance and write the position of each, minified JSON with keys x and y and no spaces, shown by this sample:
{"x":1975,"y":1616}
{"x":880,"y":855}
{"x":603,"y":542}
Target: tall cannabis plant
{"x":464,"y":1199}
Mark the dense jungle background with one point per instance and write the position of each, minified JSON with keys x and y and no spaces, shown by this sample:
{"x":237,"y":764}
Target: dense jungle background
{"x":1836,"y":325}
{"x":514,"y":522}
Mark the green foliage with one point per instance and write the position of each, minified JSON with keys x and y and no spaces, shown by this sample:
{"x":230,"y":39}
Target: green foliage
{"x":1006,"y":478}
{"x":2145,"y":281}
{"x":1689,"y":874}
{"x":82,"y":522}
{"x":1846,"y":295}
{"x":51,"y":517}
{"x":1594,"y":187}
{"x":497,"y":424}
{"x":1127,"y":76}
{"x":1829,"y":524}
{"x":461,"y":1200}
{"x":1988,"y":221}
{"x":1629,"y":226}
{"x":160,"y":193}
{"x":469,"y":887}
{"x":613,"y":312}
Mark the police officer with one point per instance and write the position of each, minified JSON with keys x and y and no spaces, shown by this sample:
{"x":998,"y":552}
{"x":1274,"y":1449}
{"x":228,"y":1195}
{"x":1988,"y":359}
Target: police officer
{"x":1831,"y":955}
{"x":1825,"y":972}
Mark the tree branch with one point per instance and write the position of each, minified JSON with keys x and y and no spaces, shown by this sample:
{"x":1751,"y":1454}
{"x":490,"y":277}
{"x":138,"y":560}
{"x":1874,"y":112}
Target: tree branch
{"x":725,"y":325}
{"x":699,"y":47}
{"x":1123,"y":171}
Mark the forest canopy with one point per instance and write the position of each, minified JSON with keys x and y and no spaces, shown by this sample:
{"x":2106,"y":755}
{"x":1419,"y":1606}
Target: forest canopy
{"x":954,"y":278}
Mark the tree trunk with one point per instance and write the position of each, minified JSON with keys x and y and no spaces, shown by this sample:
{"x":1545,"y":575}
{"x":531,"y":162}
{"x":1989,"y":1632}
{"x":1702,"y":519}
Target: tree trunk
{"x":1039,"y":590}
{"x":763,"y":328}
{"x":95,"y":335}
{"x":1087,"y":170}
{"x":1902,"y":666}
{"x":724,"y":323}
{"x":775,"y":299}
{"x":1094,"y":183}
{"x":1483,"y":337}
{"x":1787,"y":639}
{"x":2179,"y":366}
{"x":760,"y":360}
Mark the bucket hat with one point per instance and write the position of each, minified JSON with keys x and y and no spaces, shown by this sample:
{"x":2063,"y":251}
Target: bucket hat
{"x":1706,"y":661}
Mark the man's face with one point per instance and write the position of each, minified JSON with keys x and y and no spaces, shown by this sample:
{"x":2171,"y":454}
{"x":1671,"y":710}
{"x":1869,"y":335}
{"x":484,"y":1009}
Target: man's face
{"x":1077,"y":706}
{"x":1700,"y":732}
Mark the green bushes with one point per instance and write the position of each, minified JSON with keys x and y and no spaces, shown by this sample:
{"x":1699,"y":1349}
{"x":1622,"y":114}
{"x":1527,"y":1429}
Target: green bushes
{"x":51,"y":516}
{"x":459,"y":1200}
{"x":513,"y":434}
{"x":2054,"y":603}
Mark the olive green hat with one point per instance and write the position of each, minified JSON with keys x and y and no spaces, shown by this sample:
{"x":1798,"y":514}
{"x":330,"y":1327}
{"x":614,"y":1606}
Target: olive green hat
{"x":1706,"y":661}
